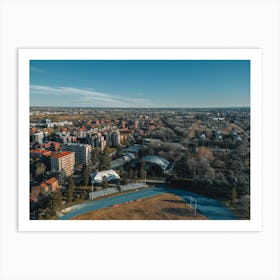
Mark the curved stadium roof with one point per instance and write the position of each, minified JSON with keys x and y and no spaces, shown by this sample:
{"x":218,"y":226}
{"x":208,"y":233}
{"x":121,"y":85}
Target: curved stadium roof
{"x":160,"y":161}
{"x":122,"y":160}
{"x":111,"y":175}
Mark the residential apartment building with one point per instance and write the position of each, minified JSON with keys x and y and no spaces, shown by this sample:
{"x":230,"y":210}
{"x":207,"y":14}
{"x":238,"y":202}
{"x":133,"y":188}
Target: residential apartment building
{"x":37,"y":137}
{"x":51,"y":185}
{"x":82,"y":151}
{"x":63,"y":161}
{"x":103,"y":144}
{"x":115,"y":138}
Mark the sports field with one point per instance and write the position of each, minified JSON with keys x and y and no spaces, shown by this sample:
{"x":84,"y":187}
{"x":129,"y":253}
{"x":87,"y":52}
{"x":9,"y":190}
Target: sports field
{"x":161,"y":207}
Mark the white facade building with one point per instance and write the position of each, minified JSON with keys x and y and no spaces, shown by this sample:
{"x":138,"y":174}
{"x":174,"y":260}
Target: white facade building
{"x":82,"y":151}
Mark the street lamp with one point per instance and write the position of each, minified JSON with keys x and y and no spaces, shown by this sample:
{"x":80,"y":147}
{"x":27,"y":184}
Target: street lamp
{"x":191,"y":199}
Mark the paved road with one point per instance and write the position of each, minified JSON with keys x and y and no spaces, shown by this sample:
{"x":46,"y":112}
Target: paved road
{"x":211,"y":208}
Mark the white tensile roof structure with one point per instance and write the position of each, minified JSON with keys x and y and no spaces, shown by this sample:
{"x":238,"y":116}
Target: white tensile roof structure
{"x":154,"y":159}
{"x":111,"y":175}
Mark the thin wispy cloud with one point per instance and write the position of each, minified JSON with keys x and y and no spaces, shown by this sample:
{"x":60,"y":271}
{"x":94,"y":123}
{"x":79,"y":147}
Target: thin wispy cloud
{"x":89,"y":97}
{"x":36,"y":69}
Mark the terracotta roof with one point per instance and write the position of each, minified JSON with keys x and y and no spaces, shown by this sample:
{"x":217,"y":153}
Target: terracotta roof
{"x":44,"y":186}
{"x":46,"y":145}
{"x":51,"y":180}
{"x":49,"y":143}
{"x":41,"y":152}
{"x":62,"y":154}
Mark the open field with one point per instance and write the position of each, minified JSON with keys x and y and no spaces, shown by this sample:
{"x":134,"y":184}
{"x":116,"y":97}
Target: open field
{"x":160,"y":207}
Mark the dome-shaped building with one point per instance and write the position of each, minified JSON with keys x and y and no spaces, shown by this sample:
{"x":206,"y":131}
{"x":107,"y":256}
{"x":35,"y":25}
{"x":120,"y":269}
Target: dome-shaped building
{"x":154,"y":160}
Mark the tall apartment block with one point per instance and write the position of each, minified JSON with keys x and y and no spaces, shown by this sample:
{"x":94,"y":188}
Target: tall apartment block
{"x":115,"y":138}
{"x":37,"y":137}
{"x":63,"y":161}
{"x":82,"y":151}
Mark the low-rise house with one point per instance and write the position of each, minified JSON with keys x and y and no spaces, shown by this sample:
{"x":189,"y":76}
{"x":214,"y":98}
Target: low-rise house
{"x":35,"y":192}
{"x":51,"y":185}
{"x":39,"y":153}
{"x":44,"y":188}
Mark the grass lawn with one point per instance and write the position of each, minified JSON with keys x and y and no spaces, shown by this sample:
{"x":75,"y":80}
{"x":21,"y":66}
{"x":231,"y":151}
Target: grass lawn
{"x":160,"y":207}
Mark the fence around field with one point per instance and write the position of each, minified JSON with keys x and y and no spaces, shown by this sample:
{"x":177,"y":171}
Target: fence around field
{"x":113,"y":190}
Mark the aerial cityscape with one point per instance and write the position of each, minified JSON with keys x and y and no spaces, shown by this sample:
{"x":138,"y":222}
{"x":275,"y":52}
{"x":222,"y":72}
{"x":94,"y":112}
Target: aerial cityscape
{"x":139,"y":139}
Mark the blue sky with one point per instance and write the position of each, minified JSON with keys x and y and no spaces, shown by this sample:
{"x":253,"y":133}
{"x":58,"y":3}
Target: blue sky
{"x":140,"y":83}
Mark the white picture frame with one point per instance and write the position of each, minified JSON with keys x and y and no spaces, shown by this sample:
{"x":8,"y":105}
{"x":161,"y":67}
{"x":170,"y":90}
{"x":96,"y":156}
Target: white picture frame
{"x":255,"y":57}
{"x":188,"y":24}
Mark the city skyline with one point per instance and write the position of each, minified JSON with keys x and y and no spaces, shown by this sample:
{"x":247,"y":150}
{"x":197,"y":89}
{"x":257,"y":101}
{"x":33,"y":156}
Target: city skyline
{"x":140,"y":83}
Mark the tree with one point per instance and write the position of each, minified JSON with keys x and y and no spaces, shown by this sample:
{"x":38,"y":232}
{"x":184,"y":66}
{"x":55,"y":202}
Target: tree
{"x":131,"y":174}
{"x":143,"y":151}
{"x":54,"y":204}
{"x":85,"y":174}
{"x":61,"y":177}
{"x":104,"y":183}
{"x":204,"y":152}
{"x":95,"y":154}
{"x":142,"y":170}
{"x":84,"y":194}
{"x":124,"y":179}
{"x":244,"y":149}
{"x":129,"y":141}
{"x":40,"y":169}
{"x":202,"y":166}
{"x":58,"y":199}
{"x":105,"y":160}
{"x":185,"y":167}
{"x":234,"y":196}
{"x":70,"y":190}
{"x":192,"y":147}
{"x":236,"y":165}
{"x":119,"y":151}
{"x":135,"y":177}
{"x":218,"y":164}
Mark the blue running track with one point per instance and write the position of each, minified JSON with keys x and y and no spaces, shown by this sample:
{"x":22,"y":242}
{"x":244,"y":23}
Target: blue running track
{"x":211,"y":208}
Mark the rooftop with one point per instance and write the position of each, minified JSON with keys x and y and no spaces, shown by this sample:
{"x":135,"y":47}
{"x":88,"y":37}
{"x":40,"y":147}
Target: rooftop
{"x":110,"y":174}
{"x":162,"y":162}
{"x":44,"y":186}
{"x":62,"y":154}
{"x":51,"y":180}
{"x":41,"y":152}
{"x":122,"y":160}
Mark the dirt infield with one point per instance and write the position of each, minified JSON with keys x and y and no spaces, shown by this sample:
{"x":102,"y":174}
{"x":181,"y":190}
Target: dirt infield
{"x":160,"y":207}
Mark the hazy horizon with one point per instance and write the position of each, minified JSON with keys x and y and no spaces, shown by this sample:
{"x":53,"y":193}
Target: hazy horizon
{"x":81,"y":107}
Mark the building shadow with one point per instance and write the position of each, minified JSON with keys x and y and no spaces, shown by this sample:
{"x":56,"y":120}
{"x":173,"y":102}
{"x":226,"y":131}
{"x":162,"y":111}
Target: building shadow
{"x":177,"y":211}
{"x":174,"y":201}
